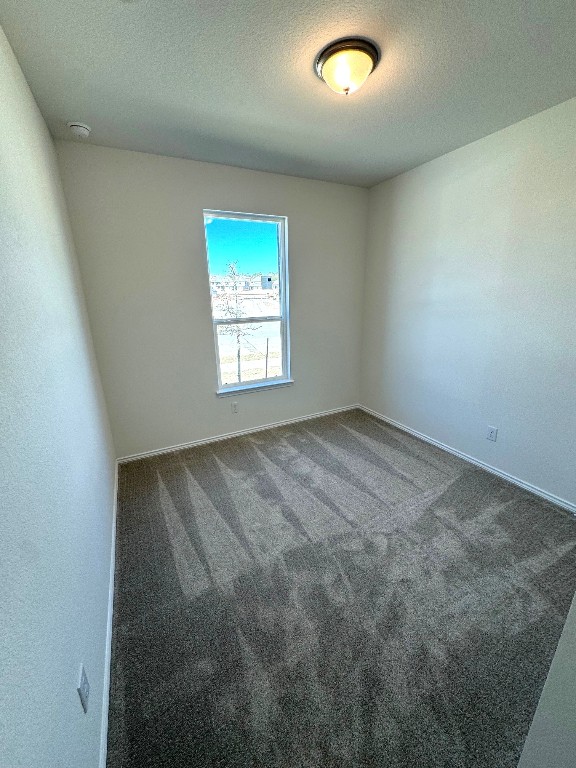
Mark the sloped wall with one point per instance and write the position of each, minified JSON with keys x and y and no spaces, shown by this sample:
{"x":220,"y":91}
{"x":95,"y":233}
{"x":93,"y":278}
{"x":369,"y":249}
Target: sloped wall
{"x":56,"y":460}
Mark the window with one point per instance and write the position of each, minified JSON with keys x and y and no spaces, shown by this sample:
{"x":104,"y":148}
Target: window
{"x":248,"y":273}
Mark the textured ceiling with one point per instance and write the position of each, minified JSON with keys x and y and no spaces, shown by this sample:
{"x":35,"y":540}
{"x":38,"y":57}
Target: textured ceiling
{"x":232,"y":81}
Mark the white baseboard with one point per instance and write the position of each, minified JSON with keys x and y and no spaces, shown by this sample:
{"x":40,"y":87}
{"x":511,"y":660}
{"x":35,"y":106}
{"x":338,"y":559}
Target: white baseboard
{"x":568,"y":505}
{"x":239,"y":433}
{"x":108,"y":649}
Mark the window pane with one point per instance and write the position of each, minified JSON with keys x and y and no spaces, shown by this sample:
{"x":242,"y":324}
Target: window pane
{"x":249,"y":352}
{"x":247,"y":268}
{"x":243,"y":266}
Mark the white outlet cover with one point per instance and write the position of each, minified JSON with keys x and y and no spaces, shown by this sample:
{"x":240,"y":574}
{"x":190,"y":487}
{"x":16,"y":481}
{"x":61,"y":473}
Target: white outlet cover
{"x":492,"y":434}
{"x":83,"y":688}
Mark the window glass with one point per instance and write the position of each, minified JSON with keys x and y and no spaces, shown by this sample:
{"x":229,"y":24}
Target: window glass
{"x":248,"y":278}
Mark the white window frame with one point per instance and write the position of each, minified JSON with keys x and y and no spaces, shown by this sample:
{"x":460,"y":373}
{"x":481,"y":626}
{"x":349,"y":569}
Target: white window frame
{"x":224,"y":390}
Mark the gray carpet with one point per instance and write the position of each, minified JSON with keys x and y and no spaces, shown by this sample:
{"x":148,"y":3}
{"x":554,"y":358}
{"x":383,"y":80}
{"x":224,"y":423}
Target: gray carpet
{"x":327,"y":595}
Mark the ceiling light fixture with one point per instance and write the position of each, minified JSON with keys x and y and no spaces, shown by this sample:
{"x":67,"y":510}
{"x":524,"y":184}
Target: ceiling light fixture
{"x":345,"y":64}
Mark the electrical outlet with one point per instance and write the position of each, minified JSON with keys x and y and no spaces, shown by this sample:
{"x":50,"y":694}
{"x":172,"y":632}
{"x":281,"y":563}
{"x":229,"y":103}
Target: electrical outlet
{"x":83,"y":688}
{"x":492,"y":434}
{"x":234,"y":407}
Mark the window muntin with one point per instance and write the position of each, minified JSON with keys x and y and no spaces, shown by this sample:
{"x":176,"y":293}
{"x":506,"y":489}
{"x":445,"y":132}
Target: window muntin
{"x":248,"y":276}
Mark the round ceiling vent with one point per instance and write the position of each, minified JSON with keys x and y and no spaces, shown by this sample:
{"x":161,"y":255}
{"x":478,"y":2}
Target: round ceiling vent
{"x":79,"y":130}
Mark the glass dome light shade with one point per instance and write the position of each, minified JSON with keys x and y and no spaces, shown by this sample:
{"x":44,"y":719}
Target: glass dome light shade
{"x":345,"y":65}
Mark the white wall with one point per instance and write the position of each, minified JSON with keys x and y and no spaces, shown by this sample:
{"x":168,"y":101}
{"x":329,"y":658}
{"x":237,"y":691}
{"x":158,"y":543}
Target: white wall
{"x":138,"y":226}
{"x":56,"y":460}
{"x":470,"y":310}
{"x":551,"y":741}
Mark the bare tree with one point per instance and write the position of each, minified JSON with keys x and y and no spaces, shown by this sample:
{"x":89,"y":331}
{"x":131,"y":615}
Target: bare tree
{"x":232,"y":308}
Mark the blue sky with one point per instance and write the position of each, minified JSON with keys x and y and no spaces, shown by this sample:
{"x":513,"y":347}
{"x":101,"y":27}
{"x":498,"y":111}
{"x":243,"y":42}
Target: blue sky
{"x":253,"y":244}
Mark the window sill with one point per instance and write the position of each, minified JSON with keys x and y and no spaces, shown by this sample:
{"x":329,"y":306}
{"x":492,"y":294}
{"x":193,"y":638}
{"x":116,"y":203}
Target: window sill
{"x":257,"y":387}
